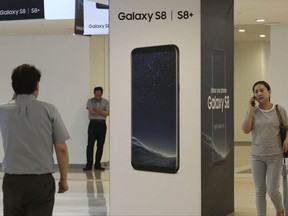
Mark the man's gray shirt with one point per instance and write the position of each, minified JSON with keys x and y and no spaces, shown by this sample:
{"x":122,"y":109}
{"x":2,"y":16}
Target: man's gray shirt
{"x":102,"y":104}
{"x":30,"y":128}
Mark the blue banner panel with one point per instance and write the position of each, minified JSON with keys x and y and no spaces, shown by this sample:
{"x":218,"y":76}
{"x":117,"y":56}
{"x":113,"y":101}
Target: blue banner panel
{"x":20,"y":10}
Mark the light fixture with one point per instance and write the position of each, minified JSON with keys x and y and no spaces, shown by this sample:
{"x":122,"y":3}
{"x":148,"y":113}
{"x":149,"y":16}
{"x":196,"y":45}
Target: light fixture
{"x":262,"y":36}
{"x":241,"y":30}
{"x":260,"y":20}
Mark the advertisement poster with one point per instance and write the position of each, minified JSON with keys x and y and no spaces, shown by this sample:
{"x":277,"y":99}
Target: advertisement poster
{"x":217,"y":116}
{"x":155,"y":100}
{"x":20,"y":10}
{"x":96,"y":13}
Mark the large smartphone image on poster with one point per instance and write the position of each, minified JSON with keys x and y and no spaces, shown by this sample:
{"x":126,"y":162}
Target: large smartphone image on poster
{"x":155,"y":108}
{"x":219,"y":115}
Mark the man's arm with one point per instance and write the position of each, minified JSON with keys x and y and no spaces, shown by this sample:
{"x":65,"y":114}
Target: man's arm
{"x":102,"y":112}
{"x":98,"y":112}
{"x":63,"y":161}
{"x":91,"y":111}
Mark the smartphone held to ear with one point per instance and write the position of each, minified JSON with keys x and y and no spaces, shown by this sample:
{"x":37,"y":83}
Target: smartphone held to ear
{"x":253,"y":102}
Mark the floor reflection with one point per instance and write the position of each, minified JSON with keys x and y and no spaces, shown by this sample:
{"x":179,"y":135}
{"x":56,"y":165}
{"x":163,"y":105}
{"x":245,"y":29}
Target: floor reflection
{"x":95,"y":193}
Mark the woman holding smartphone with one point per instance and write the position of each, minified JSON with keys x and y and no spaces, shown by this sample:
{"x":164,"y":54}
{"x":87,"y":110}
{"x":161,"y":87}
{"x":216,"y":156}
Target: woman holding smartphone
{"x":267,"y":151}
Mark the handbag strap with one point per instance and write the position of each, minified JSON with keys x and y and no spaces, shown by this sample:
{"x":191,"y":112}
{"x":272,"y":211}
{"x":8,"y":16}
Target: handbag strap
{"x":279,"y":115}
{"x":281,"y":124}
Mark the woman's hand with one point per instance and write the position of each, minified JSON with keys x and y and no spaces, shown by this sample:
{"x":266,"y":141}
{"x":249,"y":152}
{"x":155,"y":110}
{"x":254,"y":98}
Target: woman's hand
{"x":248,"y":121}
{"x":252,"y":103}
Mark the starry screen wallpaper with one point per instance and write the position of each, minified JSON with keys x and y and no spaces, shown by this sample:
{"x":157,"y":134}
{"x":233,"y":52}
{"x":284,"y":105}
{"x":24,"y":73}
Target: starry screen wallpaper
{"x":155,"y":125}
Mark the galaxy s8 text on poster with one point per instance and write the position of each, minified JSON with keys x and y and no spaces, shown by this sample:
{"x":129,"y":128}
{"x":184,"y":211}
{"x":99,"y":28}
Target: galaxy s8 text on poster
{"x":155,"y":108}
{"x":219,"y":115}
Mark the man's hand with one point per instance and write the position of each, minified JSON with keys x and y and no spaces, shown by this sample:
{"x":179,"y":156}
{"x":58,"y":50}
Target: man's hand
{"x":96,"y":111}
{"x":63,"y":186}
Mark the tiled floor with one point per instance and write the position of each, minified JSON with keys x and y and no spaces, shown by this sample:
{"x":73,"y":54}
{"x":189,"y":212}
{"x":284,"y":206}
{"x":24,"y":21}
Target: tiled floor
{"x":88,"y":194}
{"x":89,"y":191}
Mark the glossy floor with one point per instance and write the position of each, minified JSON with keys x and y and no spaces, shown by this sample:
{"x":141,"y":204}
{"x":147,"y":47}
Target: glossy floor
{"x":89,"y":191}
{"x":88,"y":194}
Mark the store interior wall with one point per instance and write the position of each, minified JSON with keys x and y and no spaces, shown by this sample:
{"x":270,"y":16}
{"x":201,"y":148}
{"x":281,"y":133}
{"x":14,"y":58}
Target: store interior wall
{"x":251,"y":63}
{"x":99,"y":76}
{"x":279,"y":64}
{"x":260,"y":61}
{"x":64,"y":63}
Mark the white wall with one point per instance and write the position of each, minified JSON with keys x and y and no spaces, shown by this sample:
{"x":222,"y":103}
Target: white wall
{"x":64,"y":63}
{"x":99,"y":76}
{"x":251,"y":63}
{"x":279,"y":64}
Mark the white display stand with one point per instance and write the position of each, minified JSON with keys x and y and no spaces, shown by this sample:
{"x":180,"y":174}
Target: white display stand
{"x":134,"y":192}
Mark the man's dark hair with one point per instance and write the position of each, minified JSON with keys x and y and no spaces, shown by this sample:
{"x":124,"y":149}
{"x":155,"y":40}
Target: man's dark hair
{"x":98,"y":89}
{"x":25,"y":78}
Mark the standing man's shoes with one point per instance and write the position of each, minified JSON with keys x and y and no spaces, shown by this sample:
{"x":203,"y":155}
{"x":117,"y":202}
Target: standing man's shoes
{"x":99,"y":168}
{"x":87,"y":169}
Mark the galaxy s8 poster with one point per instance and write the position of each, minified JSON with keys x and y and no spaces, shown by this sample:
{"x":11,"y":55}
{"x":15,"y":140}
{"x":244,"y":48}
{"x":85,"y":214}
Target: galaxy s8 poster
{"x":155,"y":108}
{"x":219,"y":103}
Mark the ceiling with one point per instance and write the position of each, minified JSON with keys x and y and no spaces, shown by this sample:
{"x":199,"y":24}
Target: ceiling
{"x":275,"y":12}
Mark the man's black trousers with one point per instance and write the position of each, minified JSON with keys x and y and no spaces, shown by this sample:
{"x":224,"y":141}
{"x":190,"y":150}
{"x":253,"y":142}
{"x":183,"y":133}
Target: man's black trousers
{"x":96,"y":132}
{"x":28,"y":195}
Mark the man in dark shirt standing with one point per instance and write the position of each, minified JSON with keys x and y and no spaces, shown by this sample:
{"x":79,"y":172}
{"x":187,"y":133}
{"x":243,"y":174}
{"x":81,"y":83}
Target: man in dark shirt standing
{"x":30,"y":130}
{"x":98,"y":110}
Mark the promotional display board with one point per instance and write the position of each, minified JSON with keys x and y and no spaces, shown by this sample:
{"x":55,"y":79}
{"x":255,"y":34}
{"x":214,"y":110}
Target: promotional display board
{"x":91,"y":17}
{"x":217,"y":125}
{"x":96,"y":17}
{"x":20,"y":10}
{"x":155,"y":132}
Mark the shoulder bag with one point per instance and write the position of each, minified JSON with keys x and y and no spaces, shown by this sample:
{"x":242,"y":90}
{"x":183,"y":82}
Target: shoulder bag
{"x":282,"y":130}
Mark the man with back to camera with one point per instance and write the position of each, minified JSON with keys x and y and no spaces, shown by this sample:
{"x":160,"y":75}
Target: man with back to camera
{"x":98,"y":110}
{"x":30,"y":130}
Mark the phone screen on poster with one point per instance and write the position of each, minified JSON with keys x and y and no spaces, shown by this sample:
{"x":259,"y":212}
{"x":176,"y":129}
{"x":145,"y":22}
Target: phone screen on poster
{"x":155,"y":101}
{"x":219,"y":115}
{"x":101,"y":6}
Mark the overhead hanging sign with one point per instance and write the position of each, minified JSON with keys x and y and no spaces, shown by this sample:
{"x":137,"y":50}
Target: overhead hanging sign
{"x":20,"y":10}
{"x":96,"y":16}
{"x":79,"y":19}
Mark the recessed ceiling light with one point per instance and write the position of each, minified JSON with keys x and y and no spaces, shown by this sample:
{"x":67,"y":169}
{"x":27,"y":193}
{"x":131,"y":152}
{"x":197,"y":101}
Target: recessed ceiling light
{"x":260,"y":20}
{"x":241,"y":30}
{"x":262,"y":36}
